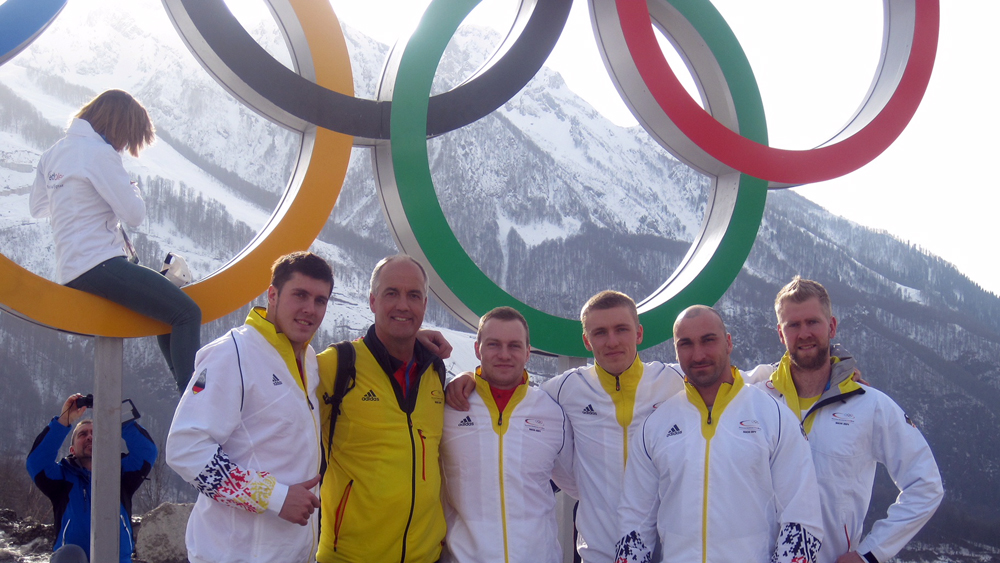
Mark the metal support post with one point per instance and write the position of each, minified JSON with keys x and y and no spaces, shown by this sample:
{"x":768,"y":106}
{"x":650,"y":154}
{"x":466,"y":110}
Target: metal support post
{"x":107,"y":448}
{"x":564,"y":502}
{"x":564,"y":515}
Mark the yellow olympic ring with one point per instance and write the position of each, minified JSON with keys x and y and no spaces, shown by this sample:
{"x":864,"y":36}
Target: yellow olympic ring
{"x":304,"y":209}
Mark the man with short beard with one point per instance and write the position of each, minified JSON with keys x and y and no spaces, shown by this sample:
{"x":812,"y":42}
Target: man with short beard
{"x":851,"y":428}
{"x":67,"y":482}
{"x":721,"y":471}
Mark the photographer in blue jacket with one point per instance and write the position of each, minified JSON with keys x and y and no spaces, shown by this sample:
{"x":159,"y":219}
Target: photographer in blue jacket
{"x":67,"y":482}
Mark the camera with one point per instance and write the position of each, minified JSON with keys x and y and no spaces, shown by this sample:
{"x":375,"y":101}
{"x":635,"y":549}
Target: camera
{"x":129,"y":412}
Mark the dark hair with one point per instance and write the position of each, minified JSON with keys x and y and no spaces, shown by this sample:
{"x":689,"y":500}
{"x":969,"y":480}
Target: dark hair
{"x":121,"y":119}
{"x":800,"y":290}
{"x":303,"y":262}
{"x":76,"y":429}
{"x":504,"y":314}
{"x":609,"y":299}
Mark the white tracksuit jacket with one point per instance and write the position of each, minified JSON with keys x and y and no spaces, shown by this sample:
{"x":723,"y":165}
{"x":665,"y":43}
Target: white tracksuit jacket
{"x":245,"y":429}
{"x":854,"y":428}
{"x":604,"y":411}
{"x":84,"y":190}
{"x":734,"y":485}
{"x":498,"y":502}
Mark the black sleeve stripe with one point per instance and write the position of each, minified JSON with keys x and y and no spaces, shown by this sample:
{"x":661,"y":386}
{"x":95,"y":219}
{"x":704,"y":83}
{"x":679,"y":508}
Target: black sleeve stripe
{"x":38,"y":440}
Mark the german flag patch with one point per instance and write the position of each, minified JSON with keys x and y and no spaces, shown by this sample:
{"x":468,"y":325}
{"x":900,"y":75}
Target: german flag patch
{"x":199,"y":384}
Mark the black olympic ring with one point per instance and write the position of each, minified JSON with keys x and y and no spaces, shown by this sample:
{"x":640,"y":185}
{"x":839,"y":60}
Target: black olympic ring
{"x":224,"y":48}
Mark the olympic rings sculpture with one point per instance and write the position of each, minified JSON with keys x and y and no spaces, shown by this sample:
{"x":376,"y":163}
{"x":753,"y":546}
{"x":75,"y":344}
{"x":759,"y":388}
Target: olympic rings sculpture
{"x":727,"y":140}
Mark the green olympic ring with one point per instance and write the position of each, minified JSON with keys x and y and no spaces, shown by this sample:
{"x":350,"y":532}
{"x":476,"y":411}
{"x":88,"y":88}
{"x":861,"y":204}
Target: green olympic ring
{"x":403,"y":177}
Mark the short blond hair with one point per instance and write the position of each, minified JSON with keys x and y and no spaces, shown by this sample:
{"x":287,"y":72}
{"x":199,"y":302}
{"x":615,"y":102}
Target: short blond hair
{"x":609,"y":299}
{"x":120,"y":119}
{"x":800,"y":290}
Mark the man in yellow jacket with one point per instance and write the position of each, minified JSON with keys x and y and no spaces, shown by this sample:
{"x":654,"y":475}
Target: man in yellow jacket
{"x":381,"y":489}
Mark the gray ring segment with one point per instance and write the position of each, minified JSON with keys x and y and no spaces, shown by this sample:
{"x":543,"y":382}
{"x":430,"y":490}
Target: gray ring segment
{"x":718,"y":101}
{"x":898,"y":26}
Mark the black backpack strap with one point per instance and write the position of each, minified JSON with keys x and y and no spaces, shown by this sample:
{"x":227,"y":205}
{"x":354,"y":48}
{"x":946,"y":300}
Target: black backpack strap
{"x":441,"y":370}
{"x":346,"y":375}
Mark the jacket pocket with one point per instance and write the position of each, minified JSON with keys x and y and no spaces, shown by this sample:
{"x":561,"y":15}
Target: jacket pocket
{"x":341,"y":513}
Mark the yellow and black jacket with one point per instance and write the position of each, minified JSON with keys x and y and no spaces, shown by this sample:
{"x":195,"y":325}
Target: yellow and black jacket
{"x":381,"y":493}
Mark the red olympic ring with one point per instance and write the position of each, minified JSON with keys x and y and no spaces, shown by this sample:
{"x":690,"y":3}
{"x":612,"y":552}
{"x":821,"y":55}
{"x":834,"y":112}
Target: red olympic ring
{"x":851,"y":149}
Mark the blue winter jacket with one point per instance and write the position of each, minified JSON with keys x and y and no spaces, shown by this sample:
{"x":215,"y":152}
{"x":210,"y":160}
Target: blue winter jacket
{"x":67,"y":484}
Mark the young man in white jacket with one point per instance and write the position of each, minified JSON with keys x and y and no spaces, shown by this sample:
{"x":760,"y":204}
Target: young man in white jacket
{"x":851,"y":429}
{"x":721,"y":472}
{"x":606,"y":403}
{"x":497,"y":458}
{"x":246,"y":432}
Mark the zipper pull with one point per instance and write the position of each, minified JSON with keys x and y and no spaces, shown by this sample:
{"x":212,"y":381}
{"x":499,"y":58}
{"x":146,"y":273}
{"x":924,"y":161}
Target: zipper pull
{"x":618,"y":383}
{"x":710,"y":417}
{"x":500,"y":419}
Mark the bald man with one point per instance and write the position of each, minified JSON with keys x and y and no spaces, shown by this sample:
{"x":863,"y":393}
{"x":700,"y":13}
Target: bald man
{"x":720,"y":472}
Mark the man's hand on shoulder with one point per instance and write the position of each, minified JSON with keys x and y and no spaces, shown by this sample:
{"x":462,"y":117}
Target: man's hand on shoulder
{"x":856,"y":376}
{"x":435,"y":342}
{"x":300,"y":502}
{"x":458,"y":391}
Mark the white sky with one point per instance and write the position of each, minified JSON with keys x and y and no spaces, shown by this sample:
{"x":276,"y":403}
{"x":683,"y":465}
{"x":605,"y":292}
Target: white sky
{"x":814,"y":62}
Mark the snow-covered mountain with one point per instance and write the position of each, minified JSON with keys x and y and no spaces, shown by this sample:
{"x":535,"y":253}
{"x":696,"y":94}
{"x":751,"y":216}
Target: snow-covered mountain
{"x":552,"y":201}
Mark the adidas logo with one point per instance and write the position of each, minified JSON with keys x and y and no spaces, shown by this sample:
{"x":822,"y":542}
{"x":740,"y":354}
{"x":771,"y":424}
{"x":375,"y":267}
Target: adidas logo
{"x":674,"y":430}
{"x":467,"y":421}
{"x":275,"y":380}
{"x":370,"y":396}
{"x":589,"y":409}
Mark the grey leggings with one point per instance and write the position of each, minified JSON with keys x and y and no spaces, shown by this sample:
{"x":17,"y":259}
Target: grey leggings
{"x":148,"y":293}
